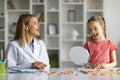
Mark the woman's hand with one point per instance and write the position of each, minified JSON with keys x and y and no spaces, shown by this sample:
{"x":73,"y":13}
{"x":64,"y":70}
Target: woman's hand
{"x":38,"y":65}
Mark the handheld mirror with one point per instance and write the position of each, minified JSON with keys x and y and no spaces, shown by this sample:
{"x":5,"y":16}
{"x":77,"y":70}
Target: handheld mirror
{"x":79,"y":55}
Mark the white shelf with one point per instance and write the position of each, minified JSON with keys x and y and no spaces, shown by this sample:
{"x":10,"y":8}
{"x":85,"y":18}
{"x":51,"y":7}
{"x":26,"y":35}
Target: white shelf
{"x":2,"y":25}
{"x":52,"y":48}
{"x":11,"y":35}
{"x":52,"y":10}
{"x":2,"y":30}
{"x":74,"y":3}
{"x":52,"y":35}
{"x":94,"y":10}
{"x":19,"y":10}
{"x":2,"y":16}
{"x":88,"y":35}
{"x":2,"y":40}
{"x":73,"y":22}
{"x":41,"y":23}
{"x":71,"y":40}
{"x":34,"y":3}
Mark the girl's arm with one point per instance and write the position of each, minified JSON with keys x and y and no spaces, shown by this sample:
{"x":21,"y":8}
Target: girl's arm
{"x":113,"y":62}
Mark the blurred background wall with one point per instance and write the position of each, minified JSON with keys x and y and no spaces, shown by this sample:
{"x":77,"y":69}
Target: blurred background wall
{"x":112,"y":16}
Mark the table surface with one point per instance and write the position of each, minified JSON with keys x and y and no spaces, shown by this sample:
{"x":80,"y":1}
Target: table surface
{"x":61,"y":74}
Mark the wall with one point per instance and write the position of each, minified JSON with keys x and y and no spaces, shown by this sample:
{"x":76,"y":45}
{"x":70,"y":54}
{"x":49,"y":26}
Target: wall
{"x":112,"y":16}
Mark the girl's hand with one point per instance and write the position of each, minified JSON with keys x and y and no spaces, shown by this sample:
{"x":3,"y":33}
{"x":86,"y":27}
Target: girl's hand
{"x":101,"y":66}
{"x":89,"y":66}
{"x":38,"y":65}
{"x":98,"y":66}
{"x":105,"y":65}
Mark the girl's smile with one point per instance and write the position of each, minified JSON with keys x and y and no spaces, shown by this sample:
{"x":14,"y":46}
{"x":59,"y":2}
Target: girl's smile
{"x":96,"y":31}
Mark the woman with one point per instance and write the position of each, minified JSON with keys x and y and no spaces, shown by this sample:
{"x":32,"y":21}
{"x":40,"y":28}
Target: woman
{"x":25,"y":51}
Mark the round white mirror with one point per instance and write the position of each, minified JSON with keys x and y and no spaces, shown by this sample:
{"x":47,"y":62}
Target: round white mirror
{"x":79,"y":55}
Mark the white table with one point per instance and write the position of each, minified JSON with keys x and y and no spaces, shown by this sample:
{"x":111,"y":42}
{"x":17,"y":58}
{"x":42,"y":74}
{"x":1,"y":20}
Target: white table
{"x":77,"y":75}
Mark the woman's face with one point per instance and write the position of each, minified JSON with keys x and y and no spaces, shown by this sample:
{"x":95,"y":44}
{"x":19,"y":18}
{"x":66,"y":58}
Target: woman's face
{"x":33,"y":27}
{"x":95,"y":30}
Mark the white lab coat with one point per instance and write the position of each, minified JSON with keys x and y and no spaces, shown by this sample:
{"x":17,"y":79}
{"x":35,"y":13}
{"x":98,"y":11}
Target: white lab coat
{"x":18,"y":57}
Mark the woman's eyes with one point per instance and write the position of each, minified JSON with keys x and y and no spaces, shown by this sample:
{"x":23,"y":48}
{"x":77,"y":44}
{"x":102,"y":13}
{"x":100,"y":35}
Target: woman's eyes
{"x":36,"y":23}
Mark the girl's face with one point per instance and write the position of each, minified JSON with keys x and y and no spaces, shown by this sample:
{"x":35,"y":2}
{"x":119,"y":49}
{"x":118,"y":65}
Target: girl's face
{"x":33,"y":27}
{"x":96,"y":30}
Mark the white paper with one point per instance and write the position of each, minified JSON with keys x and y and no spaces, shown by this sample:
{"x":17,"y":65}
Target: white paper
{"x":23,"y":70}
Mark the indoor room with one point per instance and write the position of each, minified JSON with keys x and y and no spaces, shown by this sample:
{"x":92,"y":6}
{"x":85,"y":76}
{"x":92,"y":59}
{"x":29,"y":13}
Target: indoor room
{"x":62,"y":32}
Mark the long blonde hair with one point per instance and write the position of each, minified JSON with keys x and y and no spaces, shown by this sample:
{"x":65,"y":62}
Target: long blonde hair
{"x":20,"y":28}
{"x":101,"y":21}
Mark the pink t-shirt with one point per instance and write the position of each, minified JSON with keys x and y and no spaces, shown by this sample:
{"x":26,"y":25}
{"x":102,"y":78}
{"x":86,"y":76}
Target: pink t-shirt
{"x":100,"y":52}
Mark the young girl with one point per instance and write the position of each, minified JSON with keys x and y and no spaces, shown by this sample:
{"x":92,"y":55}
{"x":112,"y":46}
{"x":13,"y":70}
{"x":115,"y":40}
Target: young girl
{"x":25,"y":51}
{"x":102,"y":51}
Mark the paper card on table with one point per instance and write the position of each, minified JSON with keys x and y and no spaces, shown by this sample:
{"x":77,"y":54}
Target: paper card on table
{"x":22,"y":70}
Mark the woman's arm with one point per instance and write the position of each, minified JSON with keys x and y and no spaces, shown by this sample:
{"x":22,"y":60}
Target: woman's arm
{"x":12,"y":57}
{"x":45,"y":58}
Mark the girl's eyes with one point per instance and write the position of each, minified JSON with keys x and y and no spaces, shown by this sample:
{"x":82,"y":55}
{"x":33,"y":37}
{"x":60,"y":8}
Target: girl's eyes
{"x":93,"y":29}
{"x":90,"y":29}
